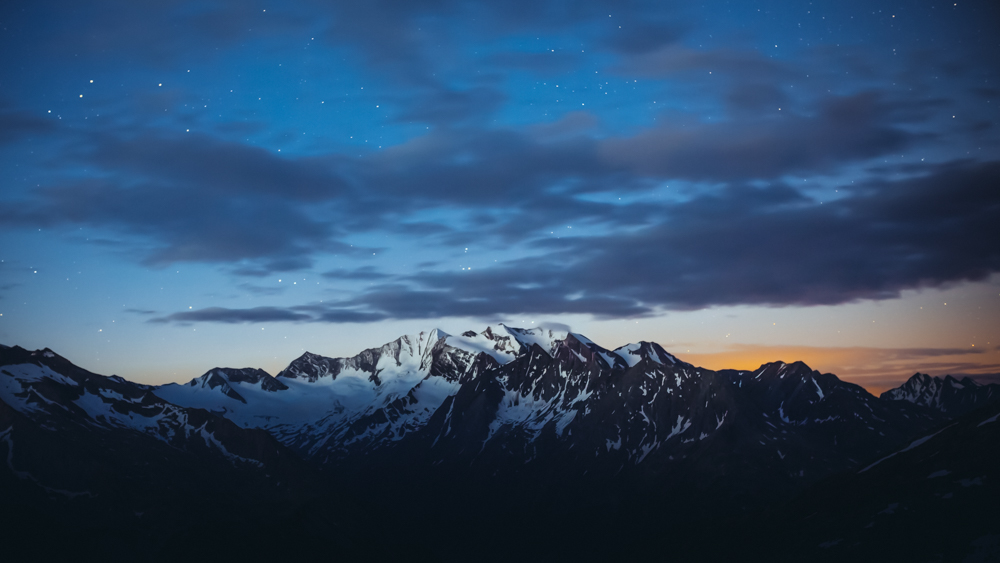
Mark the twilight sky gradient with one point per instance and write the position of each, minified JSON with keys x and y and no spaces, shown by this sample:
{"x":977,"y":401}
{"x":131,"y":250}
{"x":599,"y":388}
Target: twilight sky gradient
{"x":192,"y":184}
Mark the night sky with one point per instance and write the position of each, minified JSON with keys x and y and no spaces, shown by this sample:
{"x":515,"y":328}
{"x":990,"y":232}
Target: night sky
{"x":192,"y":184}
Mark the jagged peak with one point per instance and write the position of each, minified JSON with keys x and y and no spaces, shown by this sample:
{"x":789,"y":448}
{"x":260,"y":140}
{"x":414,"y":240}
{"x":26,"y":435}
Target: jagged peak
{"x":215,"y":378}
{"x":947,"y":394}
{"x":504,"y":343}
{"x":419,"y":344}
{"x":575,"y":341}
{"x":248,"y":376}
{"x":494,"y":341}
{"x":308,"y":366}
{"x":961,"y":383}
{"x":436,"y":334}
{"x":635,"y":352}
{"x":45,"y":353}
{"x":308,"y":358}
{"x":546,"y":338}
{"x":918,"y":384}
{"x":920,"y":380}
{"x":779,"y":370}
{"x":225,"y":378}
{"x":785,"y":367}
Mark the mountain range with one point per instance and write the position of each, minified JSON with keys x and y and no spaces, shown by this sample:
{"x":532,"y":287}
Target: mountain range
{"x":506,"y":431}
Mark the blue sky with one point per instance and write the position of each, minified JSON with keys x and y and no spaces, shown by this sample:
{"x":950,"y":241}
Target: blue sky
{"x":186,"y":184}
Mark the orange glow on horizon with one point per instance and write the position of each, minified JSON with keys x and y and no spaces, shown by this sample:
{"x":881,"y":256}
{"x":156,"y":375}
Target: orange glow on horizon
{"x":875,"y":369}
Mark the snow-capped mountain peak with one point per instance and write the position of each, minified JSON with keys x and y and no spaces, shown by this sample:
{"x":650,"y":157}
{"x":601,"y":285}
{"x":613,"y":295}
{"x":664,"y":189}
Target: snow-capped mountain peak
{"x":224,"y":379}
{"x":495,"y":342}
{"x":547,"y":339}
{"x":635,"y":352}
{"x":504,"y":343}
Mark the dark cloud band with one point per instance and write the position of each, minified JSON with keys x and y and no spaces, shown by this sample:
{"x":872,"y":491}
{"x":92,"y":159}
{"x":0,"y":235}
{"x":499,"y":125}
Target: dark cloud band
{"x":743,"y":246}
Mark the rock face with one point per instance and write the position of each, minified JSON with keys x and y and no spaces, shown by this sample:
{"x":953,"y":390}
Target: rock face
{"x":948,"y":395}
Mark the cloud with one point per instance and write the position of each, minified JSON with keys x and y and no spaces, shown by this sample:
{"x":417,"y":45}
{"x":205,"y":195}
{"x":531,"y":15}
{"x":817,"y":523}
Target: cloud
{"x":141,"y":311}
{"x":674,"y":60}
{"x":448,"y":105}
{"x":316,"y":312}
{"x":268,"y":267}
{"x":480,"y":296}
{"x":759,"y":246}
{"x":193,"y":197}
{"x":771,"y":246}
{"x":183,"y":223}
{"x":479,"y":168}
{"x":17,"y":124}
{"x":540,"y":62}
{"x":214,"y":165}
{"x":757,"y":97}
{"x":559,"y":327}
{"x":196,"y":199}
{"x":732,"y":245}
{"x":571,"y":126}
{"x":261,"y":289}
{"x":407,"y":36}
{"x":154,"y":33}
{"x":637,"y":37}
{"x":914,"y":353}
{"x":363,"y":273}
{"x":348,"y":316}
{"x":233,"y":316}
{"x":851,"y":128}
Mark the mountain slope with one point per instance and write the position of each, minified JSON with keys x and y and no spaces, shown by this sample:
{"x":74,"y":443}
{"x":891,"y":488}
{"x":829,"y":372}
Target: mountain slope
{"x":932,"y":500}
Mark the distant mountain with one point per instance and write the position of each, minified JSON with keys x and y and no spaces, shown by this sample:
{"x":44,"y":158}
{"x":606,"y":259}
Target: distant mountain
{"x":948,"y":395}
{"x":529,"y":433}
{"x":510,"y":401}
{"x":55,"y":395}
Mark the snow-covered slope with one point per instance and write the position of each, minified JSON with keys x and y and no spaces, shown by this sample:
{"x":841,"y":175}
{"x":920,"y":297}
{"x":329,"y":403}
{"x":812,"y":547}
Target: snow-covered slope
{"x":379,"y":395}
{"x":317,"y":399}
{"x":507,"y":397}
{"x":50,"y":407}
